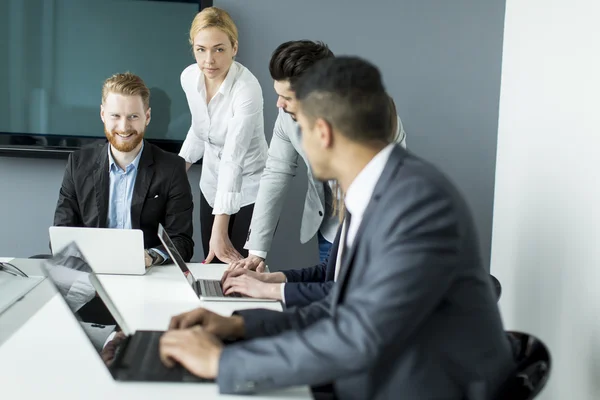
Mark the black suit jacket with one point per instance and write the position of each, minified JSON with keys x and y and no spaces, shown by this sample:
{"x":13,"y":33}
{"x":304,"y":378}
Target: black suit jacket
{"x":161,"y":194}
{"x":306,"y":285}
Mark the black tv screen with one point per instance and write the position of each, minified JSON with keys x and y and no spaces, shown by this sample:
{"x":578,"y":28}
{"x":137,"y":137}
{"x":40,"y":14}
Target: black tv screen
{"x":58,"y":54}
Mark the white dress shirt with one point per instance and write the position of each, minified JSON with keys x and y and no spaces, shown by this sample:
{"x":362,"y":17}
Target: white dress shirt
{"x":229,"y":133}
{"x":358,"y":196}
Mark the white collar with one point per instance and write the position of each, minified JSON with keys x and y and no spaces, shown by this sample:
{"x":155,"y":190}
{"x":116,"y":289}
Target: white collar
{"x":225,"y":85}
{"x":361,"y":189}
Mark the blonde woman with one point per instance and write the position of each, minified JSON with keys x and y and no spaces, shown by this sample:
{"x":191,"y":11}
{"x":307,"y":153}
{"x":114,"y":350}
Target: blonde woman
{"x":227,"y":133}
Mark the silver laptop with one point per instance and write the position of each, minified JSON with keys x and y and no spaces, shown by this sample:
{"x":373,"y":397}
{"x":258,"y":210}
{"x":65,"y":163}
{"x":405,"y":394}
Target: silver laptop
{"x":205,"y":289}
{"x":137,"y":356}
{"x":109,"y":251}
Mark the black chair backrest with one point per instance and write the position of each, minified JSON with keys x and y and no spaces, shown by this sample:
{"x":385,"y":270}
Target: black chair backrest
{"x":533,"y":367}
{"x":497,"y":286}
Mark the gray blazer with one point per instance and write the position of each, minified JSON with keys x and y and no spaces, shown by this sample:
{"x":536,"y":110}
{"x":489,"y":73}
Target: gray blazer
{"x":413,"y":313}
{"x":282,"y":162}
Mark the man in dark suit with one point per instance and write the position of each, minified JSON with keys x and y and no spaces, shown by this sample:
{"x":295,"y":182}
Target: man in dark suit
{"x":413,"y":313}
{"x":128,"y":183}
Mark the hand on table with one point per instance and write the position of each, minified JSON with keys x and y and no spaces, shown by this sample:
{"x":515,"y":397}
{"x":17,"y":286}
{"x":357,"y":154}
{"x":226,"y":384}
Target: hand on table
{"x":221,"y":247}
{"x":147,"y":259}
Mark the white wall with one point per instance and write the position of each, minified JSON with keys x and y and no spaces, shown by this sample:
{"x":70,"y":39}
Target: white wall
{"x":546,"y":233}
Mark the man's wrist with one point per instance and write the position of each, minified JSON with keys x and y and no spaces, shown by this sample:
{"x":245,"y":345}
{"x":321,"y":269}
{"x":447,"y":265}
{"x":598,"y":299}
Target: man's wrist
{"x":258,"y":253}
{"x":274,"y":291}
{"x":214,"y":363}
{"x":276,"y":277}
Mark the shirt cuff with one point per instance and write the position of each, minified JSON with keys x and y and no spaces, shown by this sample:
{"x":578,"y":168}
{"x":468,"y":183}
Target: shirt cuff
{"x":283,"y":293}
{"x":163,"y":255}
{"x":227,"y":203}
{"x":192,"y":149}
{"x":258,"y":253}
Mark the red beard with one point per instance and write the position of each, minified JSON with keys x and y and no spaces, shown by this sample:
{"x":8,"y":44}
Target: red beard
{"x":124,"y":145}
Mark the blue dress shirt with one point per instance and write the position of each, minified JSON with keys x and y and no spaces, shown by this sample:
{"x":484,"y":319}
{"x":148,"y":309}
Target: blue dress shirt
{"x":120,"y":194}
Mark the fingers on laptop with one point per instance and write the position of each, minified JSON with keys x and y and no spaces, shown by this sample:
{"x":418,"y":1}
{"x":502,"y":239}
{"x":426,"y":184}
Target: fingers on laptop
{"x":190,"y":318}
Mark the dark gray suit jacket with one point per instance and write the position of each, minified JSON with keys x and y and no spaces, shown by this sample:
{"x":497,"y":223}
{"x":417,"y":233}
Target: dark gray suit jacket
{"x":413,"y":313}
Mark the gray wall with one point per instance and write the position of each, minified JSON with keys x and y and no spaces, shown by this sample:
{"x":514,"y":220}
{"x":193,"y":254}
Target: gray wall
{"x":440,"y":61}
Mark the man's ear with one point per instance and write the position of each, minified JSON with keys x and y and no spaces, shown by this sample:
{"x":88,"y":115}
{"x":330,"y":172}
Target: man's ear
{"x":102,"y":113}
{"x":325,"y":131}
{"x":148,"y":115}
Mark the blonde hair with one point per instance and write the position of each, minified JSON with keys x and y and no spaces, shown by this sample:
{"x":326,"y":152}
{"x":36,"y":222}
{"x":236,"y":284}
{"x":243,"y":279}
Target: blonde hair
{"x":339,"y":208}
{"x":126,"y":84}
{"x":213,"y":17}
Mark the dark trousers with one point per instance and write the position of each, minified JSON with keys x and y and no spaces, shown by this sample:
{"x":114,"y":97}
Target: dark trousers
{"x":239,"y":224}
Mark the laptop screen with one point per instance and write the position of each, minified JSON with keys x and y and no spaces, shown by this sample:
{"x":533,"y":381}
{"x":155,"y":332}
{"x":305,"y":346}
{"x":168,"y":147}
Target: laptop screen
{"x":175,"y":256}
{"x":70,"y":273}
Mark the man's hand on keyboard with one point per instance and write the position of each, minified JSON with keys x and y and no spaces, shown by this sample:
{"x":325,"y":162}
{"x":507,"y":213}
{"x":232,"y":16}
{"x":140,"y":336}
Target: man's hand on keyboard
{"x":268,"y":277}
{"x":246,"y":285}
{"x":230,"y":328}
{"x":195,"y":349}
{"x":252,"y":262}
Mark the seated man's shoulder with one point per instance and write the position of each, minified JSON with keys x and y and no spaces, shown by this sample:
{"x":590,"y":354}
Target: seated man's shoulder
{"x":88,"y":155}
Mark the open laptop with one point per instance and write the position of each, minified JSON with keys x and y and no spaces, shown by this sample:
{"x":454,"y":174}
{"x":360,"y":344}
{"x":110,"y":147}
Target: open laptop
{"x":137,"y":357}
{"x":109,"y":251}
{"x":205,"y":289}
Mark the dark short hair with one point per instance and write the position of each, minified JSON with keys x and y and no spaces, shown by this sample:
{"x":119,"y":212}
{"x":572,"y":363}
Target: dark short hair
{"x":291,"y":59}
{"x":348,"y":93}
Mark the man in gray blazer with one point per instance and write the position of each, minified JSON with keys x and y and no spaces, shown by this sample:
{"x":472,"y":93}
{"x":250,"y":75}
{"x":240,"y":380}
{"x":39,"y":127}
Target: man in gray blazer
{"x":287,"y":64}
{"x":413,"y":314}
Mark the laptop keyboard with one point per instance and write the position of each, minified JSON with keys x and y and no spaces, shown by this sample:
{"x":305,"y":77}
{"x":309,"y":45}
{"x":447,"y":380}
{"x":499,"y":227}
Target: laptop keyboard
{"x":212,"y":288}
{"x":143,"y":350}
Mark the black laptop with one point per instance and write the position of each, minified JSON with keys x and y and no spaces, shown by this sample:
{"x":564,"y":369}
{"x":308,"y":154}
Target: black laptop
{"x":137,"y":357}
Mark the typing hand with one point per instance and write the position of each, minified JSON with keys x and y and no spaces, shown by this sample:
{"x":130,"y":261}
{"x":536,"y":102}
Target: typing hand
{"x":230,"y":273}
{"x":252,"y":262}
{"x":108,"y":352}
{"x":221,"y":247}
{"x":195,"y":349}
{"x":268,"y":277}
{"x":223,"y":327}
{"x":248,"y":286}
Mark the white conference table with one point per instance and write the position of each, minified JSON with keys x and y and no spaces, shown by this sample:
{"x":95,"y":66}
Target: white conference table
{"x":50,"y":355}
{"x":148,"y":303}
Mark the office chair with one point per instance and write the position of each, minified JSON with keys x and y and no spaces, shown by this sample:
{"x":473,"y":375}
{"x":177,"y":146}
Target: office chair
{"x":533,"y":368}
{"x":497,"y":286}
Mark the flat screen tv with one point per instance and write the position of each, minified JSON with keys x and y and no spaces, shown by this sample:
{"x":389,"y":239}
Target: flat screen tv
{"x":59,"y":52}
